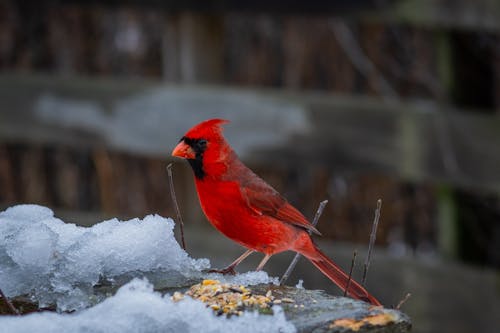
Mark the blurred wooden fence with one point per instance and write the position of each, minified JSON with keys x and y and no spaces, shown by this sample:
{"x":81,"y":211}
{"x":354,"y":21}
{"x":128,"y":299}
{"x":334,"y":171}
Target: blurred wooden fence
{"x":408,"y":91}
{"x":415,"y":141}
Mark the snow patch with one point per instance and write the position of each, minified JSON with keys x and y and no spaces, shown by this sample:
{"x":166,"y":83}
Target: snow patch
{"x":247,"y":279}
{"x":61,"y":263}
{"x":137,"y":308}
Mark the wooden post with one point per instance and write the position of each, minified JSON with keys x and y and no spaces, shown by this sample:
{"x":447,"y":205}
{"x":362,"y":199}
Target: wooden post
{"x":192,"y":48}
{"x":411,"y":147}
{"x":448,"y":240}
{"x":200,"y":48}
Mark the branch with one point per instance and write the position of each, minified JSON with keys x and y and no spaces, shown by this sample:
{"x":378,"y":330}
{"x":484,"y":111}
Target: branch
{"x":297,"y":256}
{"x":373,"y":236}
{"x":403,"y":301}
{"x":353,"y":262}
{"x":174,"y":199}
{"x":9,"y":304}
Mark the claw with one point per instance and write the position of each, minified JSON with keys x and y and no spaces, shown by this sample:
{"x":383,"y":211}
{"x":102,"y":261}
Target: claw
{"x":228,"y":270}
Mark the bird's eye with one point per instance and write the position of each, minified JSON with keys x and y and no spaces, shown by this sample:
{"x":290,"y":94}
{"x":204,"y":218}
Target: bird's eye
{"x":201,"y":144}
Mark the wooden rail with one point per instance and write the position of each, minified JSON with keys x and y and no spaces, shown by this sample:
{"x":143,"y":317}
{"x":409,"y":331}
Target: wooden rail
{"x":414,"y":140}
{"x":475,"y":15}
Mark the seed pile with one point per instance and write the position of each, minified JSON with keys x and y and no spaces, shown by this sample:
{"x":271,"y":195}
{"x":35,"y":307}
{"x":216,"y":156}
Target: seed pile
{"x":230,"y":299}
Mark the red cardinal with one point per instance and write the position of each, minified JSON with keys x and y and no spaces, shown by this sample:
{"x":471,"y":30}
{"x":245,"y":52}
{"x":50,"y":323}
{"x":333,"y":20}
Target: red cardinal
{"x":249,"y":211}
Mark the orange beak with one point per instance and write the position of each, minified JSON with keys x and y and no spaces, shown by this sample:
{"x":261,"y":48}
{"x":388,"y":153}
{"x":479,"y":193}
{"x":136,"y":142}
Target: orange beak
{"x":183,"y":150}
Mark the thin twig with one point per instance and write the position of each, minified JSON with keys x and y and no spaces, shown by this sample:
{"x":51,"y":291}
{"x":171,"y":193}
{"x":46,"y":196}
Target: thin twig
{"x":403,"y":301}
{"x":373,"y":236}
{"x":353,"y":262}
{"x":174,"y":199}
{"x":297,"y":256}
{"x":9,"y":304}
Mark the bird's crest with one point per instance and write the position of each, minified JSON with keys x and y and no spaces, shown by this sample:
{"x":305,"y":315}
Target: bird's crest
{"x":207,"y":129}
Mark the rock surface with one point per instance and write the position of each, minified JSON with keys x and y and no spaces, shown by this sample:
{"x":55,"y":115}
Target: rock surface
{"x":308,"y":310}
{"x":316,"y":311}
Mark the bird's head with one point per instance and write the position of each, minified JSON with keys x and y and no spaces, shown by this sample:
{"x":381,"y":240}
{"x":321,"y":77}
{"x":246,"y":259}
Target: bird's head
{"x":202,"y":145}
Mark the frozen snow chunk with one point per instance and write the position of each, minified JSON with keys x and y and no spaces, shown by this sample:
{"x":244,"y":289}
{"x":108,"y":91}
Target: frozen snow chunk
{"x":33,"y":248}
{"x":57,"y":262}
{"x":137,"y":308}
{"x":32,"y":213}
{"x":246,"y":279}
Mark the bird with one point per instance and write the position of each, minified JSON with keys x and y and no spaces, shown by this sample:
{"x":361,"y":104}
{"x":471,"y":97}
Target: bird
{"x":249,"y":211}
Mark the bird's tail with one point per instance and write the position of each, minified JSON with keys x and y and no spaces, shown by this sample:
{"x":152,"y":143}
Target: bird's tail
{"x":335,"y":273}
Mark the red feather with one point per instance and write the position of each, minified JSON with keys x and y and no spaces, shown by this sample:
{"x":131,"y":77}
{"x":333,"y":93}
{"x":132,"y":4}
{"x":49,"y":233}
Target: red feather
{"x":263,"y":198}
{"x":246,"y":209}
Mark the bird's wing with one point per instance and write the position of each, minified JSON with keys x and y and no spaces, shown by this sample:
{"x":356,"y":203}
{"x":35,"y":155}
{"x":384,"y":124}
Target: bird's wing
{"x":265,"y":200}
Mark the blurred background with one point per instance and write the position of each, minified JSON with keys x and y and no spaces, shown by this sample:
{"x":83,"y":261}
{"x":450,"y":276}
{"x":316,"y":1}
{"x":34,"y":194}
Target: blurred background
{"x":349,"y":101}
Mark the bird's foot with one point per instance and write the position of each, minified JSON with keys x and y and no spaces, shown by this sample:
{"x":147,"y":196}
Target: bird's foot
{"x":228,"y":270}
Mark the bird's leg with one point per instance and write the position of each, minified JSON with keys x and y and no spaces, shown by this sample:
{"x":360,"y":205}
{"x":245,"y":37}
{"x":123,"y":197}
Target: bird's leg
{"x":263,"y":262}
{"x":230,"y":269}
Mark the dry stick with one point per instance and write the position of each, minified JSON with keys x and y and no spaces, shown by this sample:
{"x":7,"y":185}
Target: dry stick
{"x":9,"y":304}
{"x":373,"y":236}
{"x":174,"y":199}
{"x":297,"y":256}
{"x":403,"y":301}
{"x":353,"y":262}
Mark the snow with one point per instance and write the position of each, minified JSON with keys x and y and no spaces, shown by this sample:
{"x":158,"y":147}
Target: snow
{"x":142,"y":122}
{"x":247,"y":279}
{"x":57,"y":262}
{"x":137,"y":308}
